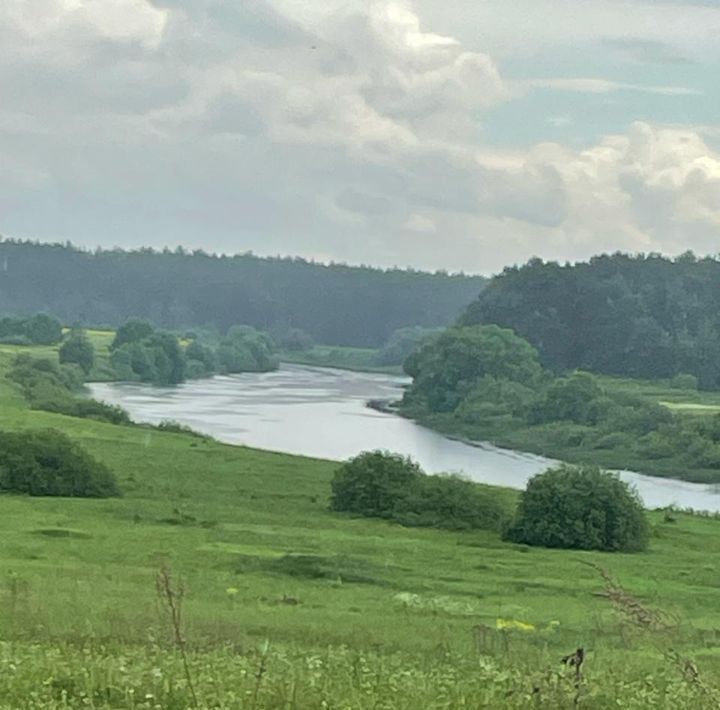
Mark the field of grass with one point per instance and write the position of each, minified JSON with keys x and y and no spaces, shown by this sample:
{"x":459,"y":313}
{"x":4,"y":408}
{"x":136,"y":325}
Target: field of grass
{"x":287,"y":605}
{"x":360,"y":359}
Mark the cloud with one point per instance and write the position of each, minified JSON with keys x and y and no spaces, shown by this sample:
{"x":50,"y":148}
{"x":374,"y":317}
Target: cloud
{"x":602,"y":86}
{"x":355,"y":132}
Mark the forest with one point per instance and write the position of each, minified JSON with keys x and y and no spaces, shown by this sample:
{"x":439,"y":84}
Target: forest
{"x":335,"y":304}
{"x":642,"y":316}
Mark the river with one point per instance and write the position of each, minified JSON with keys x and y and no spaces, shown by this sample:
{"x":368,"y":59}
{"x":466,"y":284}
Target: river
{"x":322,"y":412}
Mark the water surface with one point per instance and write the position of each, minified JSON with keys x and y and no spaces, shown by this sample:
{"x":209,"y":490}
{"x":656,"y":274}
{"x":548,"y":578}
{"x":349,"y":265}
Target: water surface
{"x":322,"y":412}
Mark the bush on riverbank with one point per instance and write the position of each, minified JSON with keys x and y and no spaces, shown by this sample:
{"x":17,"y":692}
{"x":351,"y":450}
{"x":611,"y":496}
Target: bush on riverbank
{"x":380,"y":484}
{"x":51,"y":387}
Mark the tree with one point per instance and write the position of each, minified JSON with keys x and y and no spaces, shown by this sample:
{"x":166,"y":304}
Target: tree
{"x":580,"y":507}
{"x":373,"y":483}
{"x":201,"y":360}
{"x":43,"y":330}
{"x":568,"y":399}
{"x":447,"y":369}
{"x":404,"y":342}
{"x":78,"y":349}
{"x":133,"y":330}
{"x":245,"y":349}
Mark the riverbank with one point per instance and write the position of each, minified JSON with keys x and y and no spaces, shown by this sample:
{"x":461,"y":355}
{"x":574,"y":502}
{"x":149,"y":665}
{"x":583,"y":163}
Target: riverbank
{"x":341,"y":358}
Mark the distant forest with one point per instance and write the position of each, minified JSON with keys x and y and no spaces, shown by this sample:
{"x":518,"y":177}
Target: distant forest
{"x":335,"y":304}
{"x":640,"y":316}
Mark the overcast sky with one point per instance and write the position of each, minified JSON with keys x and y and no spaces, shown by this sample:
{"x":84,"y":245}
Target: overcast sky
{"x":462,"y":134}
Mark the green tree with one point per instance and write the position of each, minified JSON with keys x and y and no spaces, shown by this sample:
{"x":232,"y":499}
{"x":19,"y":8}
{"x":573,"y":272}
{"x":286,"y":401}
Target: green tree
{"x":78,"y":349}
{"x":580,"y":507}
{"x":447,"y":369}
{"x":43,"y":330}
{"x":404,"y":342}
{"x":133,"y":330}
{"x":570,"y":399}
{"x":245,"y":349}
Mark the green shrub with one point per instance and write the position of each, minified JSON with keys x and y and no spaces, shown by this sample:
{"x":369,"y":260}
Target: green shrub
{"x":384,"y":485}
{"x":373,"y":483}
{"x":77,"y":349}
{"x":452,"y":503}
{"x":580,"y":507}
{"x":15,"y":340}
{"x":43,"y":330}
{"x":684,"y":381}
{"x":51,"y":387}
{"x":48,"y":463}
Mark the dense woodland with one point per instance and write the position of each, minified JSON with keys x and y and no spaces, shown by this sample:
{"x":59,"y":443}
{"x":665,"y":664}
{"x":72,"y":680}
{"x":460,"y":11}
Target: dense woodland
{"x":639,"y":316}
{"x":335,"y":304}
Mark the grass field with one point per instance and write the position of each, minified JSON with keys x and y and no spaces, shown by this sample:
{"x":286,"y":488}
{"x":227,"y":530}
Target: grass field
{"x":287,"y":605}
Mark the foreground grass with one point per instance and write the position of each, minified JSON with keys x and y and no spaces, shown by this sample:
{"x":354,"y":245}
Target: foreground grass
{"x":287,"y":605}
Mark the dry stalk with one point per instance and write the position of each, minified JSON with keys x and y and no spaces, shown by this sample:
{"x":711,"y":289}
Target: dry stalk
{"x":171,"y":596}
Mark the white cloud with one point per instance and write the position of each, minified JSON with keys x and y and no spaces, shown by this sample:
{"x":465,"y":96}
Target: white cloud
{"x":354,"y":131}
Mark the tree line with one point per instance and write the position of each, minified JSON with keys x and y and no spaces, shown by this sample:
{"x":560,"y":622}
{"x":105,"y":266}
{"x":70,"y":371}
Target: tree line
{"x":643,"y":316}
{"x":335,"y":304}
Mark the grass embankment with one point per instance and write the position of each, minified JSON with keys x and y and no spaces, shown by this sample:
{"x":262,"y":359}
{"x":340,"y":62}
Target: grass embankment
{"x":357,"y":613}
{"x":341,"y":358}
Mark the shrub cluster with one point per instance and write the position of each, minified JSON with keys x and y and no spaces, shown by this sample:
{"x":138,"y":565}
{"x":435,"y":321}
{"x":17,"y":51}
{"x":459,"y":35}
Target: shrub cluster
{"x":48,"y":463}
{"x":142,"y":354}
{"x":582,"y":508}
{"x":384,"y":485}
{"x":53,"y":388}
{"x":486,"y":379}
{"x":40,"y":329}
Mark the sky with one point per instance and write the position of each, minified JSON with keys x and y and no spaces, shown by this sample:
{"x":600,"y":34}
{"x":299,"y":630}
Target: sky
{"x":464,"y":135}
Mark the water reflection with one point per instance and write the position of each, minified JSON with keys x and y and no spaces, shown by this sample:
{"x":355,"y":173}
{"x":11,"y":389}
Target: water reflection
{"x":322,"y":413}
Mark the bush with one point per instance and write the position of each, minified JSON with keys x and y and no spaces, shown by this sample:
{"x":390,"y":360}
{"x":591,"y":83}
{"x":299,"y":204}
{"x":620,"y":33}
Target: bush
{"x":379,"y":484}
{"x":582,"y":508}
{"x":452,"y":503}
{"x":43,"y":330}
{"x":50,"y":387}
{"x":77,"y":349}
{"x":48,"y":463}
{"x":373,"y":483}
{"x":684,"y":381}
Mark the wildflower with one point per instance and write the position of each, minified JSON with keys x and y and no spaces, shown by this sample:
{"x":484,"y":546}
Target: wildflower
{"x":514,"y":625}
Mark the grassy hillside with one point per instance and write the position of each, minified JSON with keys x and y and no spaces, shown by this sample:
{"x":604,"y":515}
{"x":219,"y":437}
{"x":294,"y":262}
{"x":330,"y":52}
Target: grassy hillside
{"x":287,"y":605}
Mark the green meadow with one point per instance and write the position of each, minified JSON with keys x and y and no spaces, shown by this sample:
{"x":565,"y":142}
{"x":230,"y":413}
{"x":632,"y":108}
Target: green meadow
{"x":282,"y":604}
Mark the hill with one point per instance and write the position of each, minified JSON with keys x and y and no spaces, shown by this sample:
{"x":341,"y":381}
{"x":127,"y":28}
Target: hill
{"x":336,"y":304}
{"x":641,"y":316}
